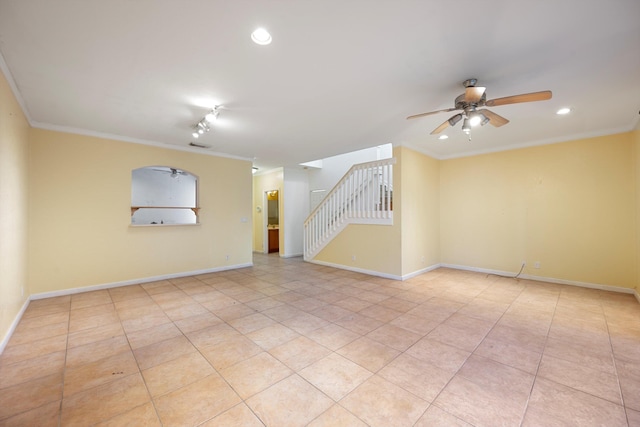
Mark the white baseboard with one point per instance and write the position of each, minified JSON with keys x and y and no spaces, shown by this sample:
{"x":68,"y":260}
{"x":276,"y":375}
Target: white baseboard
{"x":356,"y":269}
{"x":13,"y":326}
{"x":637,"y":296}
{"x":291,"y":255}
{"x":72,"y":291}
{"x":545,"y":279}
{"x":422,"y":271}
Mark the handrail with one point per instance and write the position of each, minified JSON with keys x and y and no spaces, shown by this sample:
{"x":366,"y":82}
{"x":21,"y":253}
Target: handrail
{"x":363,"y":195}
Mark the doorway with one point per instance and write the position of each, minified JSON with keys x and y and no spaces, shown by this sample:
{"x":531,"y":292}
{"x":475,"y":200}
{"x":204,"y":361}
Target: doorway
{"x":272,"y":213}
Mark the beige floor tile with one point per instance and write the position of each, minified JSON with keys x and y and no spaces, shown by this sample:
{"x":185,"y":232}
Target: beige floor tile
{"x":144,"y":415}
{"x":239,"y":415}
{"x":212,"y":335}
{"x":358,"y":323}
{"x":251,"y":323}
{"x":472,"y":403}
{"x":291,"y":402}
{"x":272,"y":336}
{"x":89,"y":375}
{"x":460,"y":331}
{"x":197,"y":322}
{"x":152,"y":335}
{"x":353,"y":304}
{"x":30,"y":395}
{"x":88,"y":299}
{"x":37,"y":308}
{"x":331,"y":312}
{"x":92,"y":321}
{"x":380,"y":403}
{"x":145,"y":322}
{"x":44,"y":320}
{"x":417,"y":324}
{"x":333,"y":336}
{"x":28,"y":335}
{"x":104,"y":402}
{"x":163,"y":351}
{"x":174,"y":374}
{"x":381,"y":313}
{"x":335,"y":376}
{"x":394,"y":337}
{"x":124,"y":293}
{"x":441,"y":355}
{"x":17,"y":353}
{"x":264,"y":303}
{"x":299,"y":353}
{"x":98,"y":333}
{"x":509,"y":354}
{"x":97,"y":350}
{"x":337,"y":416}
{"x":633,"y":417}
{"x":230,"y":351}
{"x":304,"y":323}
{"x":30,"y":369}
{"x":47,"y":415}
{"x":230,"y":312}
{"x":629,"y":376}
{"x":416,"y":376}
{"x":505,"y":381}
{"x":197,"y":402}
{"x":554,"y":404}
{"x":185,"y":311}
{"x":436,"y":417}
{"x":369,"y":354}
{"x":575,"y":328}
{"x":580,"y":377}
{"x":255,"y":374}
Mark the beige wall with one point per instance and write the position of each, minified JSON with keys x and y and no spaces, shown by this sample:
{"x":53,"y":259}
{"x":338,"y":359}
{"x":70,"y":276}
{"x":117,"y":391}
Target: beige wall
{"x":569,"y":206}
{"x":419,"y":200}
{"x":79,"y":214}
{"x":14,"y":150}
{"x":266,"y":182}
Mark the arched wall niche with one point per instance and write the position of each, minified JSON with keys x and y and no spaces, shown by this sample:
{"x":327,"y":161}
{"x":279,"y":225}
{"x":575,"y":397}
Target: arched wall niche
{"x":164,"y":195}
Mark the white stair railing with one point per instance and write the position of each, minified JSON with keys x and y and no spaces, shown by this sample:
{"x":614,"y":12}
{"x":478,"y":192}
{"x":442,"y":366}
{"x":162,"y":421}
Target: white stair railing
{"x":364,"y":195}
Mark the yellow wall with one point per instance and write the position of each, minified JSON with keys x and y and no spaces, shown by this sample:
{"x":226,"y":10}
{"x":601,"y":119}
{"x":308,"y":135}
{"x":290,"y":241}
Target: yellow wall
{"x":79,"y":214}
{"x":569,"y":206}
{"x":266,"y":182}
{"x":14,"y":150}
{"x":419,"y":200}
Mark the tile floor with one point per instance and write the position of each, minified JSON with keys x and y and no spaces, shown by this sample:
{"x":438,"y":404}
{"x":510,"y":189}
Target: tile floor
{"x":287,"y":343}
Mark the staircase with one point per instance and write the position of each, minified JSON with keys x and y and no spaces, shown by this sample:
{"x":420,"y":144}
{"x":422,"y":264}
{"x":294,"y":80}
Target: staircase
{"x":364,"y":195}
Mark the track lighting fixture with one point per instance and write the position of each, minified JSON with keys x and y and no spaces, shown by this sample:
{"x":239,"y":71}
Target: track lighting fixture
{"x":203,"y":125}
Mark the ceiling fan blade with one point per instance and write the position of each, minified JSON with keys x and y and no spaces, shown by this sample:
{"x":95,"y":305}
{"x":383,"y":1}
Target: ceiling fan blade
{"x":440,"y":128}
{"x":515,"y":99}
{"x":495,"y":119}
{"x":473,"y":94}
{"x":430,"y":113}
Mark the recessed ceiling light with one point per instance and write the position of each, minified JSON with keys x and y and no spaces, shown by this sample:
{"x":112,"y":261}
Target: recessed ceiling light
{"x":564,"y":110}
{"x":261,"y":36}
{"x":443,"y":137}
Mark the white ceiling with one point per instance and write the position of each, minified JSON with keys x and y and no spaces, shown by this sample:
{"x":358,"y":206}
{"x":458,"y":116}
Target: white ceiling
{"x":340,"y":75}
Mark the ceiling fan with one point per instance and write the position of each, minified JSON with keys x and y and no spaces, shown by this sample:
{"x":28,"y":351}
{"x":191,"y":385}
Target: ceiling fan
{"x":475,"y":97}
{"x":173,"y":171}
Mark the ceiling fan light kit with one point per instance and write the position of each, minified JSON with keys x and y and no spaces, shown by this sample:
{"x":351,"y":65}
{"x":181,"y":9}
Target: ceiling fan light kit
{"x":475,"y":97}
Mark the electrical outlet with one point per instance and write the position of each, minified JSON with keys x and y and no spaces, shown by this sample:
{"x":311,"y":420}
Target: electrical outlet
{"x":227,"y":257}
{"x":353,"y":257}
{"x":536,"y":265}
{"x":424,"y":260}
